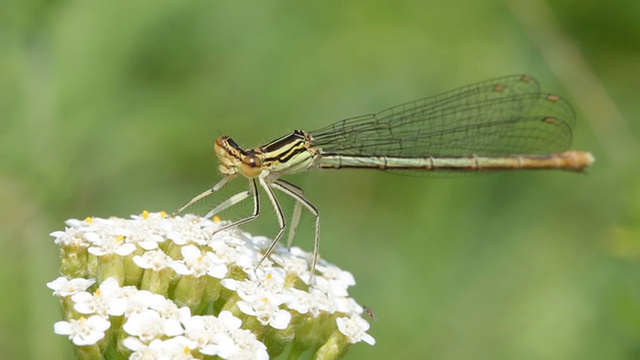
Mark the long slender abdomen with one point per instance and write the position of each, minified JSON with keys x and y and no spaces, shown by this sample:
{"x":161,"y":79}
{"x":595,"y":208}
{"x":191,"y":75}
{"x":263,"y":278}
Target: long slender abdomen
{"x":569,"y":160}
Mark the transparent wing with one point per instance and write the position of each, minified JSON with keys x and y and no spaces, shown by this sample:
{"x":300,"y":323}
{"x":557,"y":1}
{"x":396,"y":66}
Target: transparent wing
{"x":502,"y":116}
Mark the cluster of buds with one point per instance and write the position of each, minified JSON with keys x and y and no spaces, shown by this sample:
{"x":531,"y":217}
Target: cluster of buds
{"x":155,"y":286}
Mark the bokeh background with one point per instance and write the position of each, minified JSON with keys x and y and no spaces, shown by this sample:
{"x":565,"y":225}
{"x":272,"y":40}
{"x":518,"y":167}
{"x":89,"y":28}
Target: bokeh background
{"x":109,"y":108}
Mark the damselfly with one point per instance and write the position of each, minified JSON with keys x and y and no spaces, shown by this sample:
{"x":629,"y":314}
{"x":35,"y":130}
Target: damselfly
{"x":500,"y":124}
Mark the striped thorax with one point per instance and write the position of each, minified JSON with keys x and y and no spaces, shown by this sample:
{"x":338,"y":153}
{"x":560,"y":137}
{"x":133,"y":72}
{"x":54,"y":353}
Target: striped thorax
{"x":289,"y":154}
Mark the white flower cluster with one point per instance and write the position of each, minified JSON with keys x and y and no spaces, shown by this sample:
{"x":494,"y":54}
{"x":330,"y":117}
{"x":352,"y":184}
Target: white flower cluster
{"x":177,"y":285}
{"x":154,"y":326}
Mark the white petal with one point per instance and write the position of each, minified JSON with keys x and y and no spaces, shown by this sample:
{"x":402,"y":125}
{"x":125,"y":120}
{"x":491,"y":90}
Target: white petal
{"x":230,"y":322}
{"x":280,"y":320}
{"x":190,"y":252}
{"x":133,"y":343}
{"x":98,"y":323}
{"x":368,"y":339}
{"x":172,"y":327}
{"x":125,"y":249}
{"x":62,"y":328}
{"x":180,"y":268}
{"x":246,"y":308}
{"x":217,"y":271}
{"x":142,"y":262}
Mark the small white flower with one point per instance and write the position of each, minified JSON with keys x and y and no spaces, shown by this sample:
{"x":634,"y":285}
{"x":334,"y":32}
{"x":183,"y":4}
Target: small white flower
{"x":247,"y":290}
{"x":66,"y":287}
{"x":84,"y":331}
{"x":210,"y":334}
{"x":114,"y":244}
{"x":232,"y":254}
{"x":302,"y":302}
{"x":354,"y":328}
{"x":266,"y":309}
{"x":178,"y":348}
{"x":73,"y":237}
{"x":334,"y":273}
{"x":334,"y":281}
{"x":191,"y":229}
{"x":106,"y":300}
{"x":271,"y":279}
{"x":322,"y":301}
{"x":292,"y":264}
{"x":228,"y":321}
{"x":148,"y":325}
{"x":137,"y":301}
{"x":167,"y":309}
{"x":222,"y":337}
{"x":177,"y":238}
{"x":198,"y":264}
{"x":149,"y":229}
{"x":155,"y":260}
{"x":248,"y":347}
{"x":144,"y":239}
{"x":347,"y":305}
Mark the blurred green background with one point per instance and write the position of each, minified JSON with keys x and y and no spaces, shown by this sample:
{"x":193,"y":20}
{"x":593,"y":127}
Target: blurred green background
{"x":109,"y":108}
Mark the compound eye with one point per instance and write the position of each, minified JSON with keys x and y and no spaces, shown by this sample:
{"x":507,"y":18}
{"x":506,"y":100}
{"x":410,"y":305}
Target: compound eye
{"x":220,"y":146}
{"x":251,"y":165}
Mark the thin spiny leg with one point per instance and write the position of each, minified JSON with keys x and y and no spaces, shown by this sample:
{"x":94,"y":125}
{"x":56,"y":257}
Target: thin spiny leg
{"x":235,"y":199}
{"x":279,"y":216}
{"x":297,"y":210}
{"x":295,"y":193}
{"x":203,"y":195}
{"x":253,"y":189}
{"x":295,"y":221}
